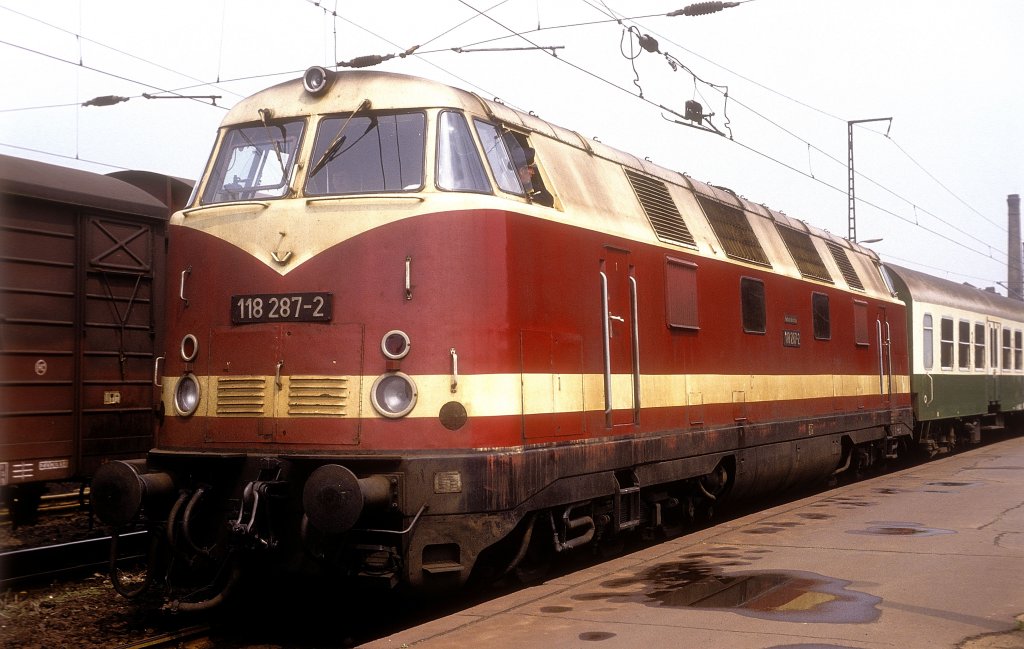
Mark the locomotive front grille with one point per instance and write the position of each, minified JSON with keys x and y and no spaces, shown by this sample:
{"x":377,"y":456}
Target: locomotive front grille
{"x":241,"y":396}
{"x":317,"y":396}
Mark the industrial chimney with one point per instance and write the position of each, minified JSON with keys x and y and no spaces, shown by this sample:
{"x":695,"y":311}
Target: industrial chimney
{"x":1014,"y":279}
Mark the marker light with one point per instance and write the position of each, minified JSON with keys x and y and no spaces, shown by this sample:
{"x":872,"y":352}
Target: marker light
{"x":189,"y":348}
{"x":395,"y":344}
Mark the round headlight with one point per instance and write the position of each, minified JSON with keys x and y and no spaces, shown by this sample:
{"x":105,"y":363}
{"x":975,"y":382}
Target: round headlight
{"x":189,"y":348}
{"x":393,"y":395}
{"x":186,"y":395}
{"x":316,"y":79}
{"x":395,"y":344}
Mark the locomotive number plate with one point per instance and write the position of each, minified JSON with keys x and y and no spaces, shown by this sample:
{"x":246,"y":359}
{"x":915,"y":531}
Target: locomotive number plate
{"x":286,"y":307}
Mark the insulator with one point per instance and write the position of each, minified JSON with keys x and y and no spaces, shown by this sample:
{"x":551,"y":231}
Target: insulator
{"x":701,"y":8}
{"x":649,"y":43}
{"x":365,"y":61}
{"x":105,"y":100}
{"x":694,"y":111}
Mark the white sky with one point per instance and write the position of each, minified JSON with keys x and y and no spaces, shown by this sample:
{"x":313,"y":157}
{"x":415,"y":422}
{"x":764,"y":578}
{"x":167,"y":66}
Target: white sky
{"x":947,"y":72}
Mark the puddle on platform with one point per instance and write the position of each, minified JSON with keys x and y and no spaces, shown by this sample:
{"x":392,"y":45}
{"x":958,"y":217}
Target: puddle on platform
{"x":814,"y":645}
{"x":889,"y":491}
{"x":555,"y":609}
{"x":596,"y":636}
{"x":900,"y":529}
{"x":785,"y":596}
{"x":815,"y":516}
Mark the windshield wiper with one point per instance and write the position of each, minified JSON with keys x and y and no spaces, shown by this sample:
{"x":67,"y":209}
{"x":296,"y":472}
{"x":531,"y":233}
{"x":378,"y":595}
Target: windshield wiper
{"x":265,"y":115}
{"x":334,"y":147}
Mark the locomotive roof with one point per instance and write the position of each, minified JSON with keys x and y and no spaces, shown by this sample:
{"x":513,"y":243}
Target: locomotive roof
{"x":393,"y":91}
{"x":943,"y":292}
{"x":40,"y":180}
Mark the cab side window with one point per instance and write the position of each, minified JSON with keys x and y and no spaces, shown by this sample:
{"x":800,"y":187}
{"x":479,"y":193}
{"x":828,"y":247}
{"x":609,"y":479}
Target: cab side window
{"x":499,"y":157}
{"x":513,"y":162}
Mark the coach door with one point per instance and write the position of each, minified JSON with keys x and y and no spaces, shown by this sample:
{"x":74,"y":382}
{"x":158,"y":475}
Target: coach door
{"x":621,"y":339}
{"x":884,"y":340}
{"x":994,"y":365}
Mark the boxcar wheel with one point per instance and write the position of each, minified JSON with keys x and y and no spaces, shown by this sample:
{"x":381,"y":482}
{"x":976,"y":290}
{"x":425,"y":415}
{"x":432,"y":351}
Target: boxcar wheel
{"x":23,"y":503}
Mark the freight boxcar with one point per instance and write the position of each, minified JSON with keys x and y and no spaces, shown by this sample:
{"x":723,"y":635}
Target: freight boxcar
{"x":81,"y":290}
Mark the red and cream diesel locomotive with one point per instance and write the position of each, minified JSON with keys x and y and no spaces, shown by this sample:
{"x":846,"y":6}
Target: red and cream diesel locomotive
{"x":414,"y":333}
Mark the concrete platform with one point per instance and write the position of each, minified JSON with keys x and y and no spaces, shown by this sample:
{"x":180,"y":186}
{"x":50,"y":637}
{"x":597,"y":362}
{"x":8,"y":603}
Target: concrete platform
{"x":925,"y":558}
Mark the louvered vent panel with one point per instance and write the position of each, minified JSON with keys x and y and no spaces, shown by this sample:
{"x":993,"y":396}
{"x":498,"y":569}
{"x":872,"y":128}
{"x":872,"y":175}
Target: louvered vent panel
{"x":241,"y":395}
{"x":806,"y":256}
{"x":661,"y":210}
{"x":733,"y":230}
{"x":320,"y":396}
{"x":845,"y":267}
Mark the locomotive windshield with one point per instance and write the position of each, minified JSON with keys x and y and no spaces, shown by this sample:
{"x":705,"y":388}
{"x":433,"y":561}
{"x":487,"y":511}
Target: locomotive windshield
{"x":368,"y":153}
{"x":254,"y":162}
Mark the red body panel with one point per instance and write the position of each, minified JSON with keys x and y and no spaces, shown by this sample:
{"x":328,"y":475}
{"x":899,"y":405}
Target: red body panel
{"x":513,"y":295}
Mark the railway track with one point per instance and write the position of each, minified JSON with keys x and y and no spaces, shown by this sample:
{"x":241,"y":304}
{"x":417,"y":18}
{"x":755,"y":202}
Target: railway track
{"x":67,"y":559}
{"x":190,"y":636}
{"x":53,"y":504}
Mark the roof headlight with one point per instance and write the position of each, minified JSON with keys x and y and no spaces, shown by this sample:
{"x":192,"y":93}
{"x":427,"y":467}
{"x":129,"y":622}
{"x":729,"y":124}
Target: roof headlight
{"x":316,"y":79}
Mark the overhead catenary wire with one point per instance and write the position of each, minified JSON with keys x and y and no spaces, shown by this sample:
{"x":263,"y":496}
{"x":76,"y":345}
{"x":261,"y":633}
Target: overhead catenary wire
{"x":989,"y":254}
{"x":95,"y":69}
{"x":825,"y":113}
{"x":81,"y":38}
{"x":776,"y":92}
{"x":843,"y":163}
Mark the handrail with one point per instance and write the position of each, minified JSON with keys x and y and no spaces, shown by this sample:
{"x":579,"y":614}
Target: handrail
{"x":607,"y":350}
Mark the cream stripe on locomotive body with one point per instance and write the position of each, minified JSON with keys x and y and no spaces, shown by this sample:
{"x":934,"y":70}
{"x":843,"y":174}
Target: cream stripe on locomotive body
{"x":367,"y":305}
{"x":495,"y":395}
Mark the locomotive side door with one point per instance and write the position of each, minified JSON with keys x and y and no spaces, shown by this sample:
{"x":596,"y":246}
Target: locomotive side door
{"x":620,"y":338}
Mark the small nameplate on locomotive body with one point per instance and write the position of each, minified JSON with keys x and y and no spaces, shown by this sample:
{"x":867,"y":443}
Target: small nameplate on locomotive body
{"x":281,"y":307}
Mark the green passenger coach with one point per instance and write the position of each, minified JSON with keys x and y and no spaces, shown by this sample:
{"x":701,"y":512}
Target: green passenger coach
{"x":967,"y":356}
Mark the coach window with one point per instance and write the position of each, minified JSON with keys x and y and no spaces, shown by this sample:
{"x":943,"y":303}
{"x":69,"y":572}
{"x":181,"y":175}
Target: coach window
{"x":459,"y":167}
{"x":753,"y":303}
{"x":362,"y":154}
{"x":928,"y":342}
{"x":1007,"y":350}
{"x":979,"y":346}
{"x":822,"y":317}
{"x":946,"y":343}
{"x":681,"y":294}
{"x":861,"y":333}
{"x":963,"y":345}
